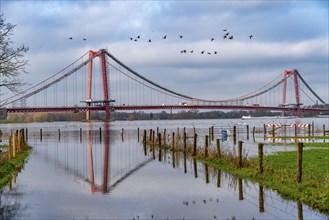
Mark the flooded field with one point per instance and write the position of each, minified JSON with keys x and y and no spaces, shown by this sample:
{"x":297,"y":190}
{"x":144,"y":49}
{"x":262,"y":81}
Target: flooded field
{"x":101,"y":171}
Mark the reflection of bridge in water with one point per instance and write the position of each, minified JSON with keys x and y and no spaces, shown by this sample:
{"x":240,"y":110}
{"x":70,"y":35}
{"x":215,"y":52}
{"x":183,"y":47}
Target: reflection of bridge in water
{"x":101,"y":161}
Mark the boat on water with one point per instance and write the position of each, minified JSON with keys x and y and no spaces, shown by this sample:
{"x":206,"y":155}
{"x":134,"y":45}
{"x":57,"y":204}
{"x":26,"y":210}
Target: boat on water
{"x":248,"y":117}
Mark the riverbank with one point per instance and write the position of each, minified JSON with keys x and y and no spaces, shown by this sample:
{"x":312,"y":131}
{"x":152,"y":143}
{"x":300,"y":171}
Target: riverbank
{"x":13,"y":157}
{"x":280,"y":171}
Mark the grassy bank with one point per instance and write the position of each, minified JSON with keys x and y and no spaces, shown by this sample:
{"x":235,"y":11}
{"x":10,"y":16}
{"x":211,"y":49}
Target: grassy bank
{"x":9,"y":167}
{"x":280,"y":171}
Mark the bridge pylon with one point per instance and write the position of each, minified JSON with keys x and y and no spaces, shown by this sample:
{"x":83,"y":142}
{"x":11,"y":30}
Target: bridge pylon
{"x":102,"y":57}
{"x":287,"y":74}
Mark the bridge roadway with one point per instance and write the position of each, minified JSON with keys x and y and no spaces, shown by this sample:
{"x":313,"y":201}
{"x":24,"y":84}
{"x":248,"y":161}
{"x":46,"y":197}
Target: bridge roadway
{"x":163,"y":107}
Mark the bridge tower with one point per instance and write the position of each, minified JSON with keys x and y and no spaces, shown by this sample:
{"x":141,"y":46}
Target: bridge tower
{"x":102,"y":57}
{"x":287,"y":74}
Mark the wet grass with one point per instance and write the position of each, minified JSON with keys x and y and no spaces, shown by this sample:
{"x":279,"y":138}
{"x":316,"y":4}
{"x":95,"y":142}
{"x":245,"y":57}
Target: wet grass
{"x":280,"y":172}
{"x":10,"y":167}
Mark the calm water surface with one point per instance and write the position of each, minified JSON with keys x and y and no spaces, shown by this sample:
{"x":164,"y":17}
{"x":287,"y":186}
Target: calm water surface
{"x":105,"y":173}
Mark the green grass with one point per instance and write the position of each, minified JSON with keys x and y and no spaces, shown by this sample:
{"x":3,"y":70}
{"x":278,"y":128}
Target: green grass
{"x":280,"y":171}
{"x":10,"y":167}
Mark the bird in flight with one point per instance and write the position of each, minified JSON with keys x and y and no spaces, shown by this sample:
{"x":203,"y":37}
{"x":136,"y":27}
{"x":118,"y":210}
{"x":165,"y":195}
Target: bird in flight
{"x":70,"y":38}
{"x":231,"y":37}
{"x":84,"y":39}
{"x":202,"y":52}
{"x":250,"y":36}
{"x":212,"y":39}
{"x":224,"y":29}
{"x":165,"y":37}
{"x":149,"y":41}
{"x":181,"y":36}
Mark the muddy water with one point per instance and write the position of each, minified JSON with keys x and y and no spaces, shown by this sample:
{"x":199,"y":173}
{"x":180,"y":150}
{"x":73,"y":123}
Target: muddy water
{"x":105,"y":173}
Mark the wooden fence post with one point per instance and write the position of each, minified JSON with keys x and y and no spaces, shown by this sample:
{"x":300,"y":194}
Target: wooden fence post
{"x":260,"y":157}
{"x":299,"y":162}
{"x":184,"y":142}
{"x":218,"y":148}
{"x":206,"y":146}
{"x":173,"y":141}
{"x":240,"y":153}
{"x":195,"y":143}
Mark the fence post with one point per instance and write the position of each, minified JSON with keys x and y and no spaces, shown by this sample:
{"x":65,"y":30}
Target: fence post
{"x":260,"y":157}
{"x":212,"y":133}
{"x":144,"y":142}
{"x":240,"y":153}
{"x":324,"y":130}
{"x":184,"y":142}
{"x":80,"y":135}
{"x":247,"y":132}
{"x":138,"y":134}
{"x":173,"y":141}
{"x":194,"y":143}
{"x":218,"y":148}
{"x":206,"y":146}
{"x":299,"y":162}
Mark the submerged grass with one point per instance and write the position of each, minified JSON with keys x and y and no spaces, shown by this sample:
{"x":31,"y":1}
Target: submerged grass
{"x":280,"y":171}
{"x":8,"y":167}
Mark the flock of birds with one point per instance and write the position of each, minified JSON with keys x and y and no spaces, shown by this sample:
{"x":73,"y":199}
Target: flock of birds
{"x":227,"y":35}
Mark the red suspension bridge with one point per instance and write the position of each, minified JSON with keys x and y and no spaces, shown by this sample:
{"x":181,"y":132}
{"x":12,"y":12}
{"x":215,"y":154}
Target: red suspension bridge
{"x":113,"y":86}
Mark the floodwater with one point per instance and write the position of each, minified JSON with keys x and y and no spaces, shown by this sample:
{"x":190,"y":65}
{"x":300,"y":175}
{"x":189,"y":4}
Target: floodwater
{"x":102,"y":171}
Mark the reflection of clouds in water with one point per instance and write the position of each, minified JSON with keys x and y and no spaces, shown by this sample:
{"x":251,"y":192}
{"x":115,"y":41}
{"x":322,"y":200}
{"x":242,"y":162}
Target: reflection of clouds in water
{"x":10,"y":203}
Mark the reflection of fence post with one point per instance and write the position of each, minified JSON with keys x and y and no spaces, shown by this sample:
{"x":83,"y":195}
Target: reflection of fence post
{"x":206,"y":146}
{"x":194,"y":143}
{"x":261,"y":198}
{"x":273,"y":131}
{"x":219,"y":174}
{"x":59,"y":134}
{"x":299,"y":162}
{"x":40,"y":134}
{"x":195,"y":166}
{"x":300,"y":210}
{"x":240,"y":153}
{"x":240,"y":189}
{"x":206,"y":172}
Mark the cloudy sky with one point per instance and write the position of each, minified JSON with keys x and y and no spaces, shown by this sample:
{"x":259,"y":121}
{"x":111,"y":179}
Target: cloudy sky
{"x":286,"y":35}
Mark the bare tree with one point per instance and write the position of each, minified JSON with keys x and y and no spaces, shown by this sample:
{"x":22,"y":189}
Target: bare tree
{"x":12,"y":62}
